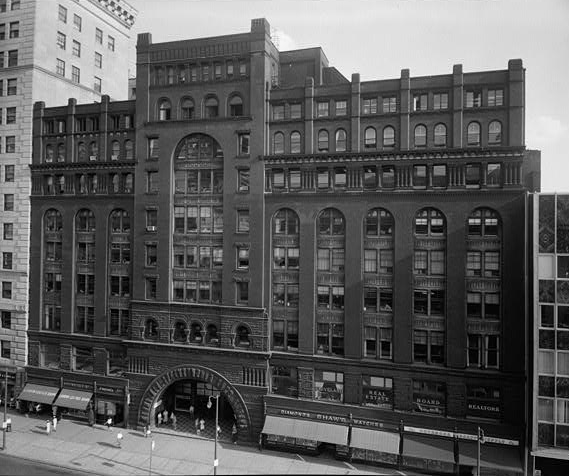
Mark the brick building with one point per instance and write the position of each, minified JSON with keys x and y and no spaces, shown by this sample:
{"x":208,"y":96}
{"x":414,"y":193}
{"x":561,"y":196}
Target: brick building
{"x":342,"y":264}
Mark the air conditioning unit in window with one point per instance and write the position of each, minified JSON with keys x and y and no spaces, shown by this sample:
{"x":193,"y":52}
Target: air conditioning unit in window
{"x":150,"y":228}
{"x":114,"y":157}
{"x":92,"y":157}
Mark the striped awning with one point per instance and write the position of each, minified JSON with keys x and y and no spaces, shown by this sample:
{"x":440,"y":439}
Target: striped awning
{"x":375,"y":440}
{"x":306,"y":429}
{"x":75,"y":399}
{"x":38,"y":393}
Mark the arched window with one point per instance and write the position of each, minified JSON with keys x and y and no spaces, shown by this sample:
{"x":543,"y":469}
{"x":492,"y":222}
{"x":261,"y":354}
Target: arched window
{"x":323,"y":141}
{"x":49,"y":153}
{"x":115,"y":183}
{"x":495,"y":133}
{"x":473,"y":134}
{"x":429,"y":222}
{"x":180,"y":334}
{"x":286,"y":222}
{"x":81,"y":152}
{"x":420,"y":136}
{"x":128,"y":150}
{"x":120,"y":221}
{"x":295,"y":142}
{"x":212,"y":337}
{"x":93,"y":150}
{"x":483,"y":222}
{"x":196,"y":332}
{"x":211,"y":107}
{"x":235,"y":106}
{"x":85,"y":220}
{"x":61,"y":152}
{"x":164,"y":110}
{"x":278,"y":143}
{"x":242,"y":338}
{"x":370,"y":138}
{"x":53,"y":220}
{"x":331,"y":222}
{"x":115,"y":150}
{"x":388,"y":136}
{"x":187,"y":109}
{"x":440,"y":135}
{"x":379,"y":222}
{"x":128,"y":183}
{"x":151,"y":329}
{"x":341,"y":140}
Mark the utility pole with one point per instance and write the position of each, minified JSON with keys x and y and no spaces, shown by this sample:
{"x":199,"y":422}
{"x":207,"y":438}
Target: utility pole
{"x":479,"y":439}
{"x":5,"y":421}
{"x":215,"y":461}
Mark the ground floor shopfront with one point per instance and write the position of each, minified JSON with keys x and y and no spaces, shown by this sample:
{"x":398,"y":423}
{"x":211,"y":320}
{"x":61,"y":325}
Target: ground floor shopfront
{"x":358,"y":434}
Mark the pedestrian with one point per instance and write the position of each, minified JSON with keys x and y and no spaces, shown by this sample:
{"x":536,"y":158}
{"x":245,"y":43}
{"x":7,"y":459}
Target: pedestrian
{"x":54,"y":423}
{"x":159,"y":417}
{"x":48,"y":427}
{"x":109,"y":423}
{"x":165,"y":415}
{"x":218,"y":431}
{"x":91,"y":416}
{"x":37,"y":408}
{"x":192,"y":412}
{"x":202,"y":425}
{"x":146,"y":431}
{"x":173,"y":419}
{"x":234,"y":434}
{"x":260,"y":442}
{"x":197,"y":423}
{"x":119,"y":439}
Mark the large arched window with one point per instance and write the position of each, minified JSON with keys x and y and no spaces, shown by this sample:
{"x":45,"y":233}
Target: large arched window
{"x":473,"y":134}
{"x":388,"y":137}
{"x":164,"y":110}
{"x":242,"y":336}
{"x":429,"y":222}
{"x":379,"y":222}
{"x":420,"y":136}
{"x":495,"y":133}
{"x":187,"y":109}
{"x":212,"y":337}
{"x":211,"y":107}
{"x":53,"y":220}
{"x":120,"y":221}
{"x":285,"y":222}
{"x":196,"y":332}
{"x":85,"y":220}
{"x":483,"y":222}
{"x":440,"y":135}
{"x":278,"y":143}
{"x":180,"y":332}
{"x":331,"y":222}
{"x":49,"y":153}
{"x":370,"y":138}
{"x":235,"y":106}
{"x":341,"y":140}
{"x":323,"y":145}
{"x":295,"y":142}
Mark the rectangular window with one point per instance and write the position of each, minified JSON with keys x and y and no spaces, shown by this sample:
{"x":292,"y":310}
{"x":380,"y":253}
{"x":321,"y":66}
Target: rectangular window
{"x":243,"y":180}
{"x":440,"y":101}
{"x":83,"y":359}
{"x":60,"y":67}
{"x":151,"y":287}
{"x":151,"y":182}
{"x":8,"y":202}
{"x":494,"y":175}
{"x":13,"y":58}
{"x":278,"y":112}
{"x":295,"y":111}
{"x":328,"y":386}
{"x":472,"y":175}
{"x":98,"y":60}
{"x":387,"y":176}
{"x":244,"y":148}
{"x":10,"y":144}
{"x":10,"y":115}
{"x":7,"y":260}
{"x":77,"y":22}
{"x":62,"y":14}
{"x":76,"y":48}
{"x":75,"y":74}
{"x":99,"y":36}
{"x":6,"y":320}
{"x":11,"y":89}
{"x":2,"y":31}
{"x":5,"y":349}
{"x":242,"y":258}
{"x":6,"y":290}
{"x":341,"y":108}
{"x":322,"y":109}
{"x":243,"y":221}
{"x":473,"y":263}
{"x":242,"y":292}
{"x":111,"y":43}
{"x":15,"y":29}
{"x":495,"y":97}
{"x":61,"y":40}
{"x":420,"y":176}
{"x":420,"y":102}
{"x":473,"y":99}
{"x":323,"y":180}
{"x":15,"y":5}
{"x":8,"y":232}
{"x":153,"y":148}
{"x":439,"y":176}
{"x":369,"y":106}
{"x":97,"y":84}
{"x":389,"y":104}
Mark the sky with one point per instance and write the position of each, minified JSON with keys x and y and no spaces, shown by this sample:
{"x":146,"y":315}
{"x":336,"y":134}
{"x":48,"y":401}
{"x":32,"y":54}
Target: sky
{"x":379,"y":38}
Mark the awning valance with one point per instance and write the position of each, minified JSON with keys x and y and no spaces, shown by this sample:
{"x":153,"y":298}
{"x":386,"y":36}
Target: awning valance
{"x":375,"y":440}
{"x":502,"y":457}
{"x":306,"y":429}
{"x":428,"y":447}
{"x":75,"y":399}
{"x":38,"y":393}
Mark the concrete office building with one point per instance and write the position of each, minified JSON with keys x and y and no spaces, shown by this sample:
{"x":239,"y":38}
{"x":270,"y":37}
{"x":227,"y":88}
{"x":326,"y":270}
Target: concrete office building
{"x":49,"y":51}
{"x":341,"y":263}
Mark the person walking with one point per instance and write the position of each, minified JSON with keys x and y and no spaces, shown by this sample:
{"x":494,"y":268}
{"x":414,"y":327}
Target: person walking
{"x":197,"y":423}
{"x":119,"y":439}
{"x":191,"y":412}
{"x":91,"y":416}
{"x":202,"y":425}
{"x":48,"y":427}
{"x":54,"y":423}
{"x":173,"y":419}
{"x":165,"y":415}
{"x":159,"y":417}
{"x":234,"y":434}
{"x":109,"y":423}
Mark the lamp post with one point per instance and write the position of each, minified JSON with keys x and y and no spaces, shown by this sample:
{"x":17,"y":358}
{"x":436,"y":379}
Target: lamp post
{"x":5,"y":421}
{"x":480,"y":439}
{"x":215,"y":461}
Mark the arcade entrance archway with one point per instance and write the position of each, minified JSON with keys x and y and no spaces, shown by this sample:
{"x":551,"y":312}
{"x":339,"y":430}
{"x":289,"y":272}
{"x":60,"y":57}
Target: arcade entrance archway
{"x":181,"y":388}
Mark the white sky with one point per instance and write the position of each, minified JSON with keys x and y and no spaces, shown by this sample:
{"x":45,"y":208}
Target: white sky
{"x":378,"y":38}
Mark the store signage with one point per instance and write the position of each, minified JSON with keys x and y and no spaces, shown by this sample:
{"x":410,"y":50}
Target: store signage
{"x":484,"y":408}
{"x":344,"y":420}
{"x":109,"y":390}
{"x":377,"y":397}
{"x":429,"y":404}
{"x":460,"y":436}
{"x":84,"y":386}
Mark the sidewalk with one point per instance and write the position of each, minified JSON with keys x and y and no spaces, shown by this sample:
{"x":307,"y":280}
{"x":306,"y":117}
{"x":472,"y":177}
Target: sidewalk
{"x":94,"y":449}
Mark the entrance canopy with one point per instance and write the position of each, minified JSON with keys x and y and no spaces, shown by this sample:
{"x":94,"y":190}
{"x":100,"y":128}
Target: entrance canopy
{"x":505,"y":458}
{"x":38,"y":393}
{"x":74,"y":399}
{"x":306,"y":429}
{"x":375,"y":440}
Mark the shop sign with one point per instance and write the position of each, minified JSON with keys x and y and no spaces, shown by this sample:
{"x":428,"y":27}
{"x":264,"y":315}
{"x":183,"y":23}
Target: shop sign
{"x":429,"y":404}
{"x":376,"y":397}
{"x":344,"y":420}
{"x":484,"y":408}
{"x":83,"y":386}
{"x":460,"y":436}
{"x":109,"y":390}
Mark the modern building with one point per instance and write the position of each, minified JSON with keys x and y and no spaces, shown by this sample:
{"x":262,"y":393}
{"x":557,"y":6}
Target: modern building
{"x":341,"y":265}
{"x":550,"y":332}
{"x":49,"y":51}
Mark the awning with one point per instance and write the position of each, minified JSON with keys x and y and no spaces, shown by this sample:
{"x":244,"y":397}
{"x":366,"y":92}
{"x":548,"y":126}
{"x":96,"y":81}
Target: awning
{"x":38,"y":393}
{"x":306,"y":429}
{"x":502,"y":457}
{"x":375,"y":440}
{"x":428,"y":447}
{"x":75,"y":399}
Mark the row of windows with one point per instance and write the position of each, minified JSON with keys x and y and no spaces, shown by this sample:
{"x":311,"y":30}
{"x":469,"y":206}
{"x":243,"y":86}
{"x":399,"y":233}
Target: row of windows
{"x":88,"y":124}
{"x":90,"y":152}
{"x":203,"y":71}
{"x":340,"y":142}
{"x":209,"y":108}
{"x":78,"y":24}
{"x":76,"y":72}
{"x":87,"y":184}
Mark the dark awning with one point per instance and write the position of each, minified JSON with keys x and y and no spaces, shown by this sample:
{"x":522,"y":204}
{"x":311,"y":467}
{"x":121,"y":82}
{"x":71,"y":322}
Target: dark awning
{"x":375,"y":440}
{"x":75,"y":399}
{"x":503,"y":457}
{"x":38,"y":393}
{"x":428,"y":447}
{"x":306,"y":429}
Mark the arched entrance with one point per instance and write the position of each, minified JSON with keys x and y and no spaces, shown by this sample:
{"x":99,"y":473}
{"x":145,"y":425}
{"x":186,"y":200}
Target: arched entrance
{"x":180,"y":388}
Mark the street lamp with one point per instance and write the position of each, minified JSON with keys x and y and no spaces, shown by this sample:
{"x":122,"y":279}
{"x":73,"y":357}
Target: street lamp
{"x":215,"y":461}
{"x":5,"y":421}
{"x":480,"y":438}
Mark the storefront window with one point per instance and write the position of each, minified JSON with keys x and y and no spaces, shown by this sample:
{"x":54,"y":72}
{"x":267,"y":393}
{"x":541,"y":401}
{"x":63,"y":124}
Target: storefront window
{"x":429,"y":397}
{"x":284,"y":381}
{"x":328,"y":386}
{"x":377,"y":392}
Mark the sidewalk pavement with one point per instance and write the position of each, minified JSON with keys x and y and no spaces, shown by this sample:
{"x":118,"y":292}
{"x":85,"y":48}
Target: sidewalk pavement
{"x":77,"y":446}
